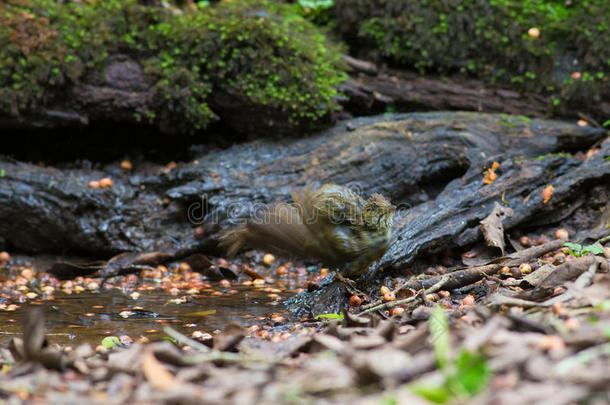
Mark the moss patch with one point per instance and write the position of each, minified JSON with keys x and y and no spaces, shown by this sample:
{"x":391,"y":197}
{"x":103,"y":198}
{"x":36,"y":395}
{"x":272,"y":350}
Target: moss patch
{"x":491,"y":40}
{"x":261,"y":52}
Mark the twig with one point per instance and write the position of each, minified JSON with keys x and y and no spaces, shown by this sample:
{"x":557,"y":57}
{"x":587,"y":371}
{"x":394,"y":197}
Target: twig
{"x":603,"y":240}
{"x":180,"y":338}
{"x":207,"y":355}
{"x":590,"y":120}
{"x":581,"y":358}
{"x":392,"y":304}
{"x":570,"y":270}
{"x":470,"y":275}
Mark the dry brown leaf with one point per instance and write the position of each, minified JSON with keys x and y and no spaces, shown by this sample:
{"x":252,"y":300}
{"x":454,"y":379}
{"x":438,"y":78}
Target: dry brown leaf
{"x":230,"y":338}
{"x":492,"y":228}
{"x":155,"y":373}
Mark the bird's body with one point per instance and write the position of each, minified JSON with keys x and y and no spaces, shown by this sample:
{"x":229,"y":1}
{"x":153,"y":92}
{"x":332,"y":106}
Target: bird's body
{"x":332,"y":224}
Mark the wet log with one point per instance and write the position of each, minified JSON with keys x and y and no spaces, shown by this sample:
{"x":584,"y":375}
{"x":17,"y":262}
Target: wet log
{"x":431,"y":164}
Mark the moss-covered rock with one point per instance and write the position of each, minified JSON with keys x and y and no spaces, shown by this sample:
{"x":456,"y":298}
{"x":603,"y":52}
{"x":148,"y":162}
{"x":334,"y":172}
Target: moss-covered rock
{"x":531,"y":45}
{"x":259,"y":55}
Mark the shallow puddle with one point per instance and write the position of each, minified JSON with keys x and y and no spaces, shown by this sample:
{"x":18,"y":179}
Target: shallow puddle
{"x":89,"y":317}
{"x":142,"y":310}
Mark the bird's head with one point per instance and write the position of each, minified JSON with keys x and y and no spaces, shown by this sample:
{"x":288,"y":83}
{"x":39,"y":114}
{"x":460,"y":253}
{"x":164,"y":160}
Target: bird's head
{"x":378,"y":213}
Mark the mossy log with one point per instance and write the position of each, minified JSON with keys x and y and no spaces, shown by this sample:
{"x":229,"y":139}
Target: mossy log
{"x":430,"y":162}
{"x":257,"y":66}
{"x":558,"y":50}
{"x":374,"y":92}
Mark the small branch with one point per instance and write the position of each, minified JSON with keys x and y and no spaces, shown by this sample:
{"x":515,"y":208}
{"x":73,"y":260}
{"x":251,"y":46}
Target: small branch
{"x":464,"y":277}
{"x":581,"y":358}
{"x":392,"y":304}
{"x":572,"y":269}
{"x":182,"y":339}
{"x":206,"y":354}
{"x":604,"y":239}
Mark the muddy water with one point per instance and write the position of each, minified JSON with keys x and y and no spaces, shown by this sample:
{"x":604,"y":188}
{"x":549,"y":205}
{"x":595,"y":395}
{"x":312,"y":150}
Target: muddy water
{"x":89,"y":317}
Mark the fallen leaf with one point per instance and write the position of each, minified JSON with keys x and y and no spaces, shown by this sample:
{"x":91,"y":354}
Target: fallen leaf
{"x":492,"y":228}
{"x":111,"y":342}
{"x":198,"y":262}
{"x":201,"y":314}
{"x":229,"y":339}
{"x":155,"y":373}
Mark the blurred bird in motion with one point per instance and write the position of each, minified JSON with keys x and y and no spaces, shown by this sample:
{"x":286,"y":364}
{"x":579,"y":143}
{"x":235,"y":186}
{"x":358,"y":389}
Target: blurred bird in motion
{"x":332,"y":224}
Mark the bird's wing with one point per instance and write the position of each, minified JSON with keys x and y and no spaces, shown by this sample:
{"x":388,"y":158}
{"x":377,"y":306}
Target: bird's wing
{"x":338,"y":205}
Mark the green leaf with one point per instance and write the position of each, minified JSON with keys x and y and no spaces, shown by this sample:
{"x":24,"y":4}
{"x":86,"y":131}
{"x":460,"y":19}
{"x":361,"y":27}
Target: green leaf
{"x":171,"y":339}
{"x":111,"y":342}
{"x":201,"y":314}
{"x":389,"y":400}
{"x":439,"y":330}
{"x":606,"y":124}
{"x":316,"y":4}
{"x":603,"y":306}
{"x":472,"y":372}
{"x":339,"y":316}
{"x":607,"y":332}
{"x":2,"y":172}
{"x":596,"y":249}
{"x":434,"y":393}
{"x":574,"y":249}
{"x":574,"y":246}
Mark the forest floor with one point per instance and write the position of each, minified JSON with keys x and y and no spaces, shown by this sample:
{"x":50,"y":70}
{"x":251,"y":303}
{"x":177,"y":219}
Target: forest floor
{"x":534,"y":330}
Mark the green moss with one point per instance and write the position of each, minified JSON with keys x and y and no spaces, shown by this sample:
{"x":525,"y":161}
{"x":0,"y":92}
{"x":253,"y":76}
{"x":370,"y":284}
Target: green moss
{"x":553,"y":155}
{"x":488,"y":39}
{"x":260,"y":52}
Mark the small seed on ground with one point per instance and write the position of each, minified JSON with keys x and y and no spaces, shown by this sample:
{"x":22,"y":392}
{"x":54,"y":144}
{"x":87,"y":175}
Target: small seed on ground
{"x":355,"y":301}
{"x":268,"y":259}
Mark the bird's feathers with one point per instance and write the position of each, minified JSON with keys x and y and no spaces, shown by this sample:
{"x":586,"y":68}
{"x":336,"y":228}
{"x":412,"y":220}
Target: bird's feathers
{"x":329,"y":224}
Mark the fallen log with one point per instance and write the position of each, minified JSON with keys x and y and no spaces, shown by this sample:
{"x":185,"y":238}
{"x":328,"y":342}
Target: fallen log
{"x":373,"y":92}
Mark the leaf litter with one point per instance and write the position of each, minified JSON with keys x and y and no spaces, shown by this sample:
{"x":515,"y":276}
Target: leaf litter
{"x":535,"y":334}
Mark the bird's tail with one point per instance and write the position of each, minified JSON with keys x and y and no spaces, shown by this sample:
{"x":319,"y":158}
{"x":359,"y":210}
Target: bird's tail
{"x":281,"y":228}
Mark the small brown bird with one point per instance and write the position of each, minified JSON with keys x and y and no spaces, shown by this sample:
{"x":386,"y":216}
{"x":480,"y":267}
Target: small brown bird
{"x":332,"y":224}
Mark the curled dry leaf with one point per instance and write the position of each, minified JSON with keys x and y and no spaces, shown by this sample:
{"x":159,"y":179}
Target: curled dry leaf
{"x":492,"y":228}
{"x":156,"y":374}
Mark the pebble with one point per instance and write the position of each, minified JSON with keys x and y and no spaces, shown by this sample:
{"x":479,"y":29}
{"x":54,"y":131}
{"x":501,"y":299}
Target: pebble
{"x":268,"y":259}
